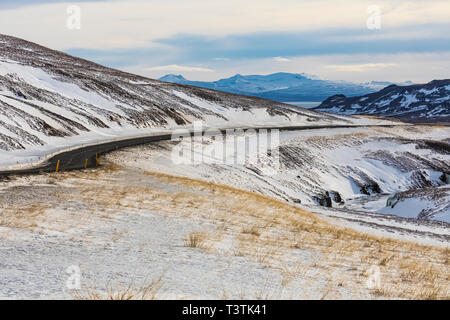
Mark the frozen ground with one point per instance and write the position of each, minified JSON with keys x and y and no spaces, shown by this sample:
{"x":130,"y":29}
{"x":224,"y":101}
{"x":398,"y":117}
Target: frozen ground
{"x":129,"y":223}
{"x":353,"y":169}
{"x":123,"y":226}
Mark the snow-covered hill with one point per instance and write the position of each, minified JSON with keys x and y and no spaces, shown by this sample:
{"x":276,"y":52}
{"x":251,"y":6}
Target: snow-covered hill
{"x":416,"y":103}
{"x":50,"y":100}
{"x":359,"y":169}
{"x":283,"y":87}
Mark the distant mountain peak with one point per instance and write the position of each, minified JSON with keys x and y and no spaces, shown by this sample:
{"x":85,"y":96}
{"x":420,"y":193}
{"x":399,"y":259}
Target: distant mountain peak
{"x":172,"y":78}
{"x":280,"y":86}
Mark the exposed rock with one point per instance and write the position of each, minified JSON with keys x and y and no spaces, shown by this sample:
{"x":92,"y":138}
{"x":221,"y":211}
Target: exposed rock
{"x":336,"y":196}
{"x":323,"y":200}
{"x":372,"y":187}
{"x":445,"y":178}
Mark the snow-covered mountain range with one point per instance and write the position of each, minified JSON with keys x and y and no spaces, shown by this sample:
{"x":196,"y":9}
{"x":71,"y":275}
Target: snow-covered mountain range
{"x":415,"y":103}
{"x":50,"y":100}
{"x":282,"y":87}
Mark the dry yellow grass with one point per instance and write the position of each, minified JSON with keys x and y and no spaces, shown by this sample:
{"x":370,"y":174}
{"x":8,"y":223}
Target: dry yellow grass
{"x":426,"y":267}
{"x":253,"y":230}
{"x":26,"y":217}
{"x":120,"y":292}
{"x":195,"y":240}
{"x":264,"y":230}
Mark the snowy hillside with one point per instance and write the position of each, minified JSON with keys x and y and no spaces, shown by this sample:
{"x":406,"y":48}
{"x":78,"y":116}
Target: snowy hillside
{"x":422,"y":203}
{"x":347,"y":169}
{"x":280,"y":86}
{"x":416,"y":103}
{"x":50,"y":100}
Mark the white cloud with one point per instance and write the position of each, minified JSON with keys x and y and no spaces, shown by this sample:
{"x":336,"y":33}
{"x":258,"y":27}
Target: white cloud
{"x":135,"y":23}
{"x":359,"y":67}
{"x":178,"y":68}
{"x":417,"y":67}
{"x":281,"y":59}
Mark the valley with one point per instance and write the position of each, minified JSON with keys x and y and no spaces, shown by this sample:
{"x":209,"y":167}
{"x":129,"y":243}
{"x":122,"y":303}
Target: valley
{"x":349,"y":168}
{"x":109,"y":189}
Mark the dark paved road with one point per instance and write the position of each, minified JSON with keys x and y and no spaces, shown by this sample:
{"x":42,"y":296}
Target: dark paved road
{"x":76,"y":159}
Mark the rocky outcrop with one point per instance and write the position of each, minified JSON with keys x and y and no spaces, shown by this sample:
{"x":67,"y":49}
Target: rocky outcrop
{"x":323,"y":200}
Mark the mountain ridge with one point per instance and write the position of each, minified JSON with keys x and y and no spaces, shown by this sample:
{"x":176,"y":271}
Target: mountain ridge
{"x":429,"y":102}
{"x":280,"y":86}
{"x":51,"y":100}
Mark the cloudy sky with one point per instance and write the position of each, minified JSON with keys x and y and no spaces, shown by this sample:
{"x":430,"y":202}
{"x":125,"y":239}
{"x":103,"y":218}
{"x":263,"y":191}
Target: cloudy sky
{"x":212,"y":39}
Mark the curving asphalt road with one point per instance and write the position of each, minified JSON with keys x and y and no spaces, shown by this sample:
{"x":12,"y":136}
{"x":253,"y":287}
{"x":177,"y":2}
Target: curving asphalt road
{"x":77,"y":159}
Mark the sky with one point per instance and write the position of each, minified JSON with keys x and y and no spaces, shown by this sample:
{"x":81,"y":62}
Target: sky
{"x":352,"y":40}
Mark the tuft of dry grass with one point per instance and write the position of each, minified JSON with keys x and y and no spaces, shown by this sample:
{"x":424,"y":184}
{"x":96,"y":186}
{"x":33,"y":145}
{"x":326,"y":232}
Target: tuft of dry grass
{"x":119,"y":292}
{"x":253,"y":230}
{"x":291,"y":272}
{"x":264,"y":255}
{"x":196,"y":240}
{"x":433,"y":293}
{"x":385,"y":260}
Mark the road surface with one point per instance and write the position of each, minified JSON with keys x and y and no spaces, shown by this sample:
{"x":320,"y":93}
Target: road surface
{"x":86,"y":156}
